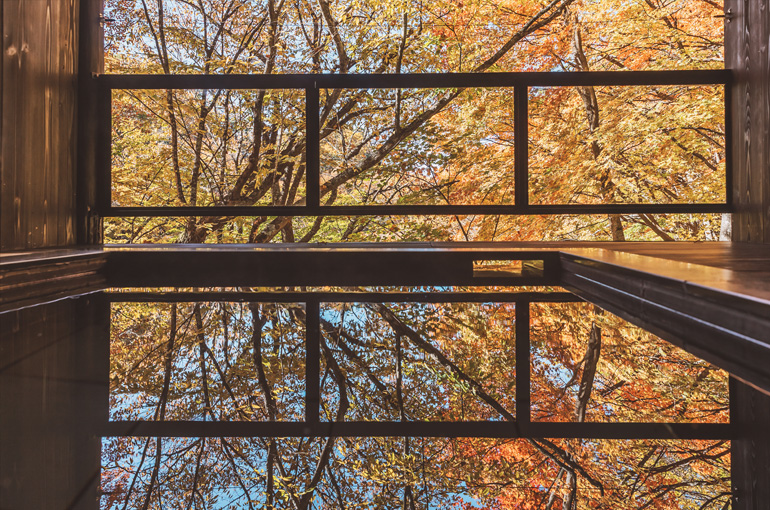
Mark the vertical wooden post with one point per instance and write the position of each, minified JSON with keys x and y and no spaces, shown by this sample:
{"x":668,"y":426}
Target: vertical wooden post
{"x":90,"y":62}
{"x":747,"y":28}
{"x":750,"y":412}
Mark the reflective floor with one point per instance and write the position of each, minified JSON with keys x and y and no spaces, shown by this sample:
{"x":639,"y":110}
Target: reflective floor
{"x":324,"y":398}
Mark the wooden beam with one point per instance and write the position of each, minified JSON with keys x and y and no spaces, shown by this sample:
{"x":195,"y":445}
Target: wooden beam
{"x":92,"y":129}
{"x":501,"y":429}
{"x":411,"y":264}
{"x":32,"y":279}
{"x":724,"y":328}
{"x":750,"y":450}
{"x":746,"y":54}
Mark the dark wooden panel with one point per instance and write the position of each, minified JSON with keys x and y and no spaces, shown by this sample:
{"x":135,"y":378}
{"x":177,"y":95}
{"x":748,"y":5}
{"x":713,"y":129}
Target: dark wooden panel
{"x":90,"y":121}
{"x":49,"y":453}
{"x":746,"y":53}
{"x":27,"y":281}
{"x":750,"y":411}
{"x":505,"y":429}
{"x":39,"y":87}
{"x":276,"y":265}
{"x":419,"y":80}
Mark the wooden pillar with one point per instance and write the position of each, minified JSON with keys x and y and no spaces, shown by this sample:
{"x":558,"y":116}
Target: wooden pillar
{"x":747,"y":31}
{"x":750,"y":411}
{"x":91,"y":57}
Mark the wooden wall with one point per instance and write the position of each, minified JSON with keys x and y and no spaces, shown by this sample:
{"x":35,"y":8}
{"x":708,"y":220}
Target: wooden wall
{"x":747,"y":33}
{"x":38,"y":87}
{"x":54,"y":368}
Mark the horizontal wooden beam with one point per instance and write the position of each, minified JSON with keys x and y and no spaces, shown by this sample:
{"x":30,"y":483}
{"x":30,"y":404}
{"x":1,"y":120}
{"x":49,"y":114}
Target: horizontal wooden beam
{"x":423,"y":80}
{"x":38,"y":277}
{"x":725,"y":328}
{"x":499,"y":429}
{"x":316,"y":265}
{"x":407,"y":210}
{"x":344,"y":297}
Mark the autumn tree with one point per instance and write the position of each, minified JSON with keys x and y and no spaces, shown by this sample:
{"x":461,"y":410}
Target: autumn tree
{"x":397,"y":361}
{"x":404,"y":362}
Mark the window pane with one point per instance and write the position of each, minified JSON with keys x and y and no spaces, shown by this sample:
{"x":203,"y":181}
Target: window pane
{"x":414,"y":362}
{"x":208,"y":147}
{"x":605,"y":145}
{"x":412,"y":147}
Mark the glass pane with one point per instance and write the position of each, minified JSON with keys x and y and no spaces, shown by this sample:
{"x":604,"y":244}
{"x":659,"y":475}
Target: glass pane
{"x":589,"y":365}
{"x":207,"y":361}
{"x":413,"y":362}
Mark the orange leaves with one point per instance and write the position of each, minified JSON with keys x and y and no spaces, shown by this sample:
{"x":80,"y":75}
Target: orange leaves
{"x":638,"y":377}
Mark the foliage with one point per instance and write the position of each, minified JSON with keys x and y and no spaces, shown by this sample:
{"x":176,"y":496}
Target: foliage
{"x":404,"y":362}
{"x":415,"y":146}
{"x":399,"y":361}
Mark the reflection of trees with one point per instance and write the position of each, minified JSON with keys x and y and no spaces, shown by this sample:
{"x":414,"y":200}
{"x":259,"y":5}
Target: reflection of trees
{"x":229,"y":361}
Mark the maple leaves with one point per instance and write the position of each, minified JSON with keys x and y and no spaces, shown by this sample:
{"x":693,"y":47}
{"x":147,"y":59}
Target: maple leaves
{"x":649,"y":145}
{"x":635,"y":377}
{"x":428,"y":362}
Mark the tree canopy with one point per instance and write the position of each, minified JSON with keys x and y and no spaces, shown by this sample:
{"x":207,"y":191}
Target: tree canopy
{"x":415,"y":146}
{"x":410,"y":361}
{"x":405,"y":362}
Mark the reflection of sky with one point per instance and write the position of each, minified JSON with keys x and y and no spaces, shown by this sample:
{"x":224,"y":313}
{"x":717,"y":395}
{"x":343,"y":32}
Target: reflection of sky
{"x":442,"y":486}
{"x":430,"y":489}
{"x":186,"y":389}
{"x":431,"y":391}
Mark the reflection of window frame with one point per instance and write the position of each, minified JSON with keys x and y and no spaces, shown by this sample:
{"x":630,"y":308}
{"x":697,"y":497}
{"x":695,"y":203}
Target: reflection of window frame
{"x":313,"y":426}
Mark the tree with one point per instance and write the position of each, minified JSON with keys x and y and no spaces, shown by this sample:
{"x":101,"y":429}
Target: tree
{"x":416,"y":146}
{"x":397,"y":361}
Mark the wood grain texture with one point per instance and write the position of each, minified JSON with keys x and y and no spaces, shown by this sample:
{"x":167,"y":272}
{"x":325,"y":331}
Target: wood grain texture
{"x":746,"y":53}
{"x":27,"y":284}
{"x":750,"y":411}
{"x":51,"y":390}
{"x":37,"y":155}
